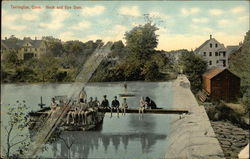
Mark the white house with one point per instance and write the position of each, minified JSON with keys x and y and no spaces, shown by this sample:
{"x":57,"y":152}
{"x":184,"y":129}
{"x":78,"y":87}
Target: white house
{"x":214,"y":53}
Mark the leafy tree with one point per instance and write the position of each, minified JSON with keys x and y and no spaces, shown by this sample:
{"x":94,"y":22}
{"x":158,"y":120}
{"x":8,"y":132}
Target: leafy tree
{"x":12,"y":59}
{"x":47,"y":68}
{"x":118,"y":45}
{"x":74,"y":47}
{"x":118,"y":49}
{"x":142,"y":40}
{"x":239,"y":62}
{"x":55,"y":47}
{"x":99,"y":43}
{"x":193,"y":66}
{"x":151,"y":71}
{"x":246,"y":99}
{"x":15,"y":135}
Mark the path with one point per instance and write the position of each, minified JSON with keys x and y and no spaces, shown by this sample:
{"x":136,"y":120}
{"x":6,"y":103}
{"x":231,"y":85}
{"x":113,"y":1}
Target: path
{"x":191,"y":136}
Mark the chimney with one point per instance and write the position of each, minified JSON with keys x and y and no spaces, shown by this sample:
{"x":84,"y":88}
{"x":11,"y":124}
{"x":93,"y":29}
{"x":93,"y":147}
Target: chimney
{"x":35,"y":38}
{"x":210,"y":36}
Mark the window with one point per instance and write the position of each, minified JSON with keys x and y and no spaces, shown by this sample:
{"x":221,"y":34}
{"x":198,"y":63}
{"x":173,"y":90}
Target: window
{"x":224,"y":54}
{"x":217,"y":61}
{"x":35,"y":49}
{"x":224,"y":63}
{"x":216,"y":45}
{"x":25,"y":49}
{"x":216,"y":54}
{"x":204,"y":53}
{"x":210,"y":62}
{"x":210,"y":53}
{"x":211,"y":45}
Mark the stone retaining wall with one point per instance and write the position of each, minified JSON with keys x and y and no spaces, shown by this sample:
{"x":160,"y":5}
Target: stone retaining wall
{"x":232,"y":138}
{"x":191,"y":135}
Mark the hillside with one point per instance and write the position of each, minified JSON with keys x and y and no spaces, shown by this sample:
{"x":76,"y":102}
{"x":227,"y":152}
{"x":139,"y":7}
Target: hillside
{"x":239,"y":62}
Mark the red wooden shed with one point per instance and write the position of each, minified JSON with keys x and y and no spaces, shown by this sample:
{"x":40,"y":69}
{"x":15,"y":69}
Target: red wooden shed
{"x":221,"y":84}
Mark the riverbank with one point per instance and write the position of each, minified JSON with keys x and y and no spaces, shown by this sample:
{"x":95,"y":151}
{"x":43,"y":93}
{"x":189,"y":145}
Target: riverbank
{"x":232,"y":138}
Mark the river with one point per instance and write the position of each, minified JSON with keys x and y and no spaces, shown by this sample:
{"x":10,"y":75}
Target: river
{"x":126,"y":136}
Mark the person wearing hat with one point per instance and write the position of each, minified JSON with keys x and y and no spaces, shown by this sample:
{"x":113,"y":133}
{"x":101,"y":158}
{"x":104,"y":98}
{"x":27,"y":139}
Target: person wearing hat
{"x":105,"y":102}
{"x":115,"y":105}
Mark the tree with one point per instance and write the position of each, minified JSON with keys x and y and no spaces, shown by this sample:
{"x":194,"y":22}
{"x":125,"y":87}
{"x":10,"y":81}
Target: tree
{"x":193,"y":66}
{"x":47,"y":68}
{"x":151,"y":71}
{"x":239,"y":63}
{"x":15,"y":136}
{"x":56,"y":48}
{"x":12,"y":59}
{"x":142,"y":40}
{"x":246,"y":99}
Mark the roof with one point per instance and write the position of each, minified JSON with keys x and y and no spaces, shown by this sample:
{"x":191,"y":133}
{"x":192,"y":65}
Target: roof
{"x":205,"y":43}
{"x":19,"y":43}
{"x":10,"y":44}
{"x":213,"y":72}
{"x":36,"y":43}
{"x":232,"y":48}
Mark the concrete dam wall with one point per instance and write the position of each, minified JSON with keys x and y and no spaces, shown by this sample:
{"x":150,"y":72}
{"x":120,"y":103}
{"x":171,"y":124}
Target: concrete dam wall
{"x":191,"y":135}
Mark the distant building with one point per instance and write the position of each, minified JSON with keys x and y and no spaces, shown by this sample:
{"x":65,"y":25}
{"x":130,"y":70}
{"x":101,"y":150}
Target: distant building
{"x":176,"y":54}
{"x":231,"y":49}
{"x":221,"y":84}
{"x":26,"y":48}
{"x":214,"y":53}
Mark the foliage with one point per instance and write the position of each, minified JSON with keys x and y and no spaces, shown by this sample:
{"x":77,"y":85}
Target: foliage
{"x":140,"y":59}
{"x":11,"y":59}
{"x":118,"y":49}
{"x":18,"y":121}
{"x":245,"y":99}
{"x":59,"y":64}
{"x":239,"y":62}
{"x":142,"y":40}
{"x":55,"y":48}
{"x":150,"y":71}
{"x":193,"y":66}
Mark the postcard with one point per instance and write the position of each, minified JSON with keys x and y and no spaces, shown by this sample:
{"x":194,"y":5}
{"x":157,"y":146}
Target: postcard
{"x":125,"y":79}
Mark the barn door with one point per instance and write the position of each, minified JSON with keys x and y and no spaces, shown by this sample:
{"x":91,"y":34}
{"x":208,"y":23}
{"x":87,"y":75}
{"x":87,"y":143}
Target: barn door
{"x":225,"y":89}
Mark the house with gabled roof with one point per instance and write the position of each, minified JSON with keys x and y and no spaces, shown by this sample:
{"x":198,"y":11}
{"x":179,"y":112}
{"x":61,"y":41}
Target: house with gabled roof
{"x":214,"y":53}
{"x":26,"y":48}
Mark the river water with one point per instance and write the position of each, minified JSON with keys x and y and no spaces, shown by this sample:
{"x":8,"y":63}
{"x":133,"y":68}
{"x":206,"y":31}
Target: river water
{"x":126,"y":136}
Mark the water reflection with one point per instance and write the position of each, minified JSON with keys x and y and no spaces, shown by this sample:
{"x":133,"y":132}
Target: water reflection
{"x":86,"y":142}
{"x":130,"y":136}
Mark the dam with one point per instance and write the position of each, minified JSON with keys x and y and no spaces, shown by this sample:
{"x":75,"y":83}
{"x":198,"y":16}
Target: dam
{"x":131,"y":135}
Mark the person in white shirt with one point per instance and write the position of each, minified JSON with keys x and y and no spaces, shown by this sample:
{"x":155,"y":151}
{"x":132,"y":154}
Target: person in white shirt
{"x":53,"y":107}
{"x":124,"y":106}
{"x":142,"y":105}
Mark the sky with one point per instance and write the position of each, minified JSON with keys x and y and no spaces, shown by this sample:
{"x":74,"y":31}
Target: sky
{"x":182,"y":24}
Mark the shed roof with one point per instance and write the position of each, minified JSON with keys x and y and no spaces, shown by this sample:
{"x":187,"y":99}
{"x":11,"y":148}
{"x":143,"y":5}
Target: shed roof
{"x":213,"y":72}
